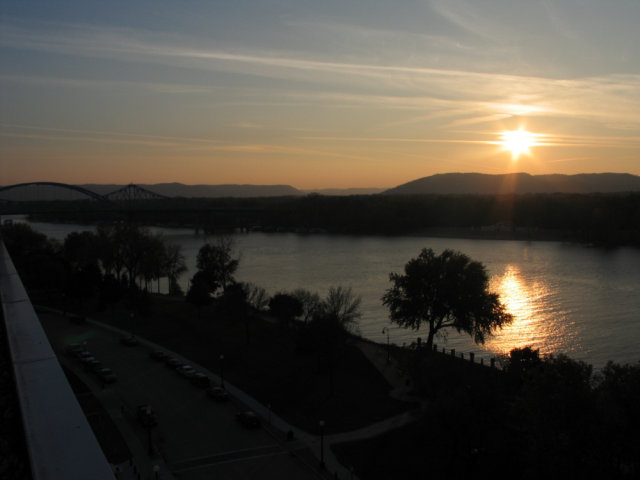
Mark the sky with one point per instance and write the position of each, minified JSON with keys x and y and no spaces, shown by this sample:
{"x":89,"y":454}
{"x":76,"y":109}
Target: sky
{"x":315,"y":94}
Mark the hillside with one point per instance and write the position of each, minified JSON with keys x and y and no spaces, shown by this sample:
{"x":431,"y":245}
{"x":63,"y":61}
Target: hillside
{"x":518,"y":183}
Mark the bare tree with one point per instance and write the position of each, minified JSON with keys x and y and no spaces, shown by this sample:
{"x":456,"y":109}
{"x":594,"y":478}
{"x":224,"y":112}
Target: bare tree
{"x":343,"y":307}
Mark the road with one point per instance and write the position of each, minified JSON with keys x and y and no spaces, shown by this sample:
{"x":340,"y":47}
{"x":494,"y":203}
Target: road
{"x":196,"y":438}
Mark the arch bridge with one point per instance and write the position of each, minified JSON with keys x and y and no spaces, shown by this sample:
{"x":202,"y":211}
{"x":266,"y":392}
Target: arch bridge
{"x":33,"y":197}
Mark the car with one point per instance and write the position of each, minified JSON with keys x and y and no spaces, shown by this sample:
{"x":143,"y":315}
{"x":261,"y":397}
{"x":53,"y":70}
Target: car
{"x":74,"y":348}
{"x":248,"y":419}
{"x":186,"y":371}
{"x":219,"y":394}
{"x":85,"y":356}
{"x":172,"y":362}
{"x":160,"y":355}
{"x":130,"y":341}
{"x":146,"y":416}
{"x":80,"y":352}
{"x":106,"y":375}
{"x":93,"y":365}
{"x":200,"y":380}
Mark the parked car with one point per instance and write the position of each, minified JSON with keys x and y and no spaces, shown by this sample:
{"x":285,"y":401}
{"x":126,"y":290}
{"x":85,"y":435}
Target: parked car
{"x":85,"y":356}
{"x":106,"y":375}
{"x":172,"y":362}
{"x":186,"y":371}
{"x":160,"y":355}
{"x":146,"y":416}
{"x":219,"y":394}
{"x":200,"y":380}
{"x":74,"y":348}
{"x":130,"y":341}
{"x":93,"y":365}
{"x":248,"y":419}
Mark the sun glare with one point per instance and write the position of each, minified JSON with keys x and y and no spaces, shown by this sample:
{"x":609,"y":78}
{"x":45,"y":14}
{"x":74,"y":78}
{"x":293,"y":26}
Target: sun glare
{"x":517,"y":142}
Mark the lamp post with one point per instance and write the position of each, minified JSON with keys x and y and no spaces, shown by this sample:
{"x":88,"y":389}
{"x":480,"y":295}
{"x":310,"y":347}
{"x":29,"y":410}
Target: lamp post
{"x":222,"y":370}
{"x":321,"y":424}
{"x":386,"y":330}
{"x":150,"y":451}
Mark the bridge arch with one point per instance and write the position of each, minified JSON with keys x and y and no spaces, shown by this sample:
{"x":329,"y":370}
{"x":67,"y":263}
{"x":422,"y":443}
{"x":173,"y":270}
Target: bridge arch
{"x":84,"y":191}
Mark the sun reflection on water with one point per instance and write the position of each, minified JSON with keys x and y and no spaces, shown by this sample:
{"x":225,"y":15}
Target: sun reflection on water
{"x":533,"y":322}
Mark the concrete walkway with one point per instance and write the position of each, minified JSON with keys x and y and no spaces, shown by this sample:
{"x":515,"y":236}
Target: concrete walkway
{"x":387,"y":365}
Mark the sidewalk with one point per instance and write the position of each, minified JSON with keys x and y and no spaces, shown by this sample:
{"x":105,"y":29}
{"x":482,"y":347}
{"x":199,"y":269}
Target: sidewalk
{"x":401,"y":386}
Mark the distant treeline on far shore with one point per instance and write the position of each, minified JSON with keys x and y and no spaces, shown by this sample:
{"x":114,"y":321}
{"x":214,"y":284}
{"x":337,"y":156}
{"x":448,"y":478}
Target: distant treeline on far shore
{"x":603,"y":219}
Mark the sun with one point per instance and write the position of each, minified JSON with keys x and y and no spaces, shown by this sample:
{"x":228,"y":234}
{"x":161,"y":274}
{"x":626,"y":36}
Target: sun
{"x":517,"y":142}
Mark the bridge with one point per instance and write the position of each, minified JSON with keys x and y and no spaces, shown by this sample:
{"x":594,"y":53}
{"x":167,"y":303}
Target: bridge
{"x":30,"y":191}
{"x":54,"y":197}
{"x":78,"y":204}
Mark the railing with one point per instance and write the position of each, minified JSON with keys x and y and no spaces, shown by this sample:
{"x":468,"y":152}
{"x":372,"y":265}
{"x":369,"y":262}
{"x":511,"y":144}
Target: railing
{"x":470,"y":357}
{"x":59,"y":439}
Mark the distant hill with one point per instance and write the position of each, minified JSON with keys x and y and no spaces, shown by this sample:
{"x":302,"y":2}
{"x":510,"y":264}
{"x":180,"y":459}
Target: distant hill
{"x":206,"y":191}
{"x":345,"y":191}
{"x":518,"y":183}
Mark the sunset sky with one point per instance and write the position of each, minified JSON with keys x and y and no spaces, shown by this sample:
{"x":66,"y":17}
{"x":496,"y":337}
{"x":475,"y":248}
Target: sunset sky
{"x":315,"y":93}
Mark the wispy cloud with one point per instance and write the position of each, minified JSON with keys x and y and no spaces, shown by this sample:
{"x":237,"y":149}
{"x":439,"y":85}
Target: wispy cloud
{"x":69,"y":135}
{"x":393,"y":85}
{"x":164,"y":88}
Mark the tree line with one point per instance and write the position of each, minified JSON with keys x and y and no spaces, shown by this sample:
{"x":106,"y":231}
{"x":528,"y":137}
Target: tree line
{"x":612,"y":218}
{"x":123,"y":260}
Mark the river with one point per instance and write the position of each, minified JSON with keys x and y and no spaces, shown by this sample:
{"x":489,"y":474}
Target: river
{"x":565,"y":298}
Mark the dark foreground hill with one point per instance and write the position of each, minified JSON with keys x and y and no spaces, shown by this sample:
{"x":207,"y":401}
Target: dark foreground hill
{"x":519,"y":183}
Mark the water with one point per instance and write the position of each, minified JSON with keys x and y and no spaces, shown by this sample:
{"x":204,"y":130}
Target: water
{"x":584,"y":302}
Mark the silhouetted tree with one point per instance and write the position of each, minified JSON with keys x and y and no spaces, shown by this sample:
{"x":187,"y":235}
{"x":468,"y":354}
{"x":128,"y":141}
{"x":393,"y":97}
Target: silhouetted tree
{"x":152,"y":265}
{"x":330,"y":327}
{"x":343,"y":307}
{"x":257,"y":297}
{"x":81,"y":249}
{"x":84,"y":282}
{"x":445,"y":291}
{"x":198,"y":293}
{"x":556,"y":412}
{"x":110,"y":290}
{"x":217,"y":265}
{"x":521,"y":362}
{"x":174,"y":266}
{"x":311,"y":303}
{"x":285,"y":307}
{"x":128,"y":248}
{"x":617,"y":395}
{"x":233,"y":303}
{"x":37,"y":258}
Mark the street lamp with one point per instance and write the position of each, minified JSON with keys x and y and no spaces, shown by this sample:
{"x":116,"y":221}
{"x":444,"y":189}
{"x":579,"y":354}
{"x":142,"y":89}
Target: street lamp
{"x":222,"y":370}
{"x":149,"y":427}
{"x":386,"y":330}
{"x":321,"y":424}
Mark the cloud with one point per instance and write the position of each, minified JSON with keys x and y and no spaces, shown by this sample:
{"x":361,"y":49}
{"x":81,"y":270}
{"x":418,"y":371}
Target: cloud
{"x":70,"y":135}
{"x":446,"y":98}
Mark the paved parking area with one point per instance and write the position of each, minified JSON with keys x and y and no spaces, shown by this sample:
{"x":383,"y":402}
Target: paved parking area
{"x":196,"y":437}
